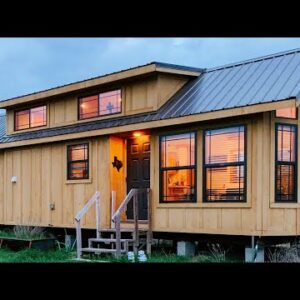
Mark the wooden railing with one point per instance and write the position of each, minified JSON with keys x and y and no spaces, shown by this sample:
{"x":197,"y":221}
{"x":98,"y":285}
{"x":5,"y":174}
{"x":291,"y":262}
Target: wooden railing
{"x":116,"y":218}
{"x":81,"y":213}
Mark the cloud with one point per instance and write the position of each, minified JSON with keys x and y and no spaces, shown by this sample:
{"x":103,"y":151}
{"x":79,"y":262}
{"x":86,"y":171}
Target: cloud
{"x":32,"y":64}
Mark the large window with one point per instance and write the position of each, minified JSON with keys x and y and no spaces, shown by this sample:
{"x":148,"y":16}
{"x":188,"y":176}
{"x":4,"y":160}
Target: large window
{"x":178,"y":168}
{"x":78,"y":161}
{"x":30,"y":118}
{"x":100,"y":105}
{"x":286,"y":163}
{"x":224,"y":165}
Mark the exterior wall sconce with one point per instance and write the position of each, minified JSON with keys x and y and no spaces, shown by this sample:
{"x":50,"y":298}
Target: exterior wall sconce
{"x":117,"y":164}
{"x":13,"y":179}
{"x":52,"y":206}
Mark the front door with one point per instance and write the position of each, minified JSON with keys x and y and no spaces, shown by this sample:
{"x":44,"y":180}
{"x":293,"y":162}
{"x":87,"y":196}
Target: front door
{"x":138,"y":173}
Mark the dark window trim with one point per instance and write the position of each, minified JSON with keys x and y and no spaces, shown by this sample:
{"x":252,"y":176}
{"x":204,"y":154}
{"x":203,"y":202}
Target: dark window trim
{"x":29,"y":109}
{"x":295,"y":164}
{"x":296,"y":118}
{"x":97,"y":94}
{"x":69,"y":162}
{"x":161,"y":169}
{"x":215,"y":165}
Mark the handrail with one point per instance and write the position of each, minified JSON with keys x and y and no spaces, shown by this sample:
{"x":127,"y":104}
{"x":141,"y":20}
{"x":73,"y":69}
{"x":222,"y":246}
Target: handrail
{"x":124,"y":204}
{"x":116,"y":218}
{"x":81,"y":213}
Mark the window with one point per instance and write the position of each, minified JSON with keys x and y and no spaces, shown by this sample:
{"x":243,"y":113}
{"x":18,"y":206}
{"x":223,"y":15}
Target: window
{"x":286,"y":163}
{"x":100,"y":105}
{"x":30,"y":118}
{"x":178,"y":168}
{"x":289,"y":113}
{"x":78,"y":161}
{"x":224,"y":171}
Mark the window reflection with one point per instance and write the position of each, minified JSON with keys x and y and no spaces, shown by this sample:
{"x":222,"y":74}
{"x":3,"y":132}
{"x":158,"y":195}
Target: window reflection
{"x":102,"y":104}
{"x":178,"y":167}
{"x":286,"y":162}
{"x":30,"y":118}
{"x":224,"y":167}
{"x":78,"y":161}
{"x":289,"y":113}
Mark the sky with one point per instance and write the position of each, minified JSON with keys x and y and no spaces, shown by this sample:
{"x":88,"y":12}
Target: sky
{"x":32,"y":64}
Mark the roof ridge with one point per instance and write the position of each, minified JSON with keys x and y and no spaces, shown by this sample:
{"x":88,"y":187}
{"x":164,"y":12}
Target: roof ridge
{"x":255,"y":59}
{"x":163,"y":64}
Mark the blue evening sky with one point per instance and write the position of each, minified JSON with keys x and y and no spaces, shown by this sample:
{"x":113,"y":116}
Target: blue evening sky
{"x":31,"y":64}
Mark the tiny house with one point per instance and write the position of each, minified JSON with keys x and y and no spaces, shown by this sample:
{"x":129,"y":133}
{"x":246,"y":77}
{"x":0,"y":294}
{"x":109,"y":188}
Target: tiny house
{"x":214,"y":151}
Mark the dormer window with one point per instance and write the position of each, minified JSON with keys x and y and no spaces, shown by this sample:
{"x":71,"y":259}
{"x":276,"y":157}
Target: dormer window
{"x":31,"y":118}
{"x":102,"y":104}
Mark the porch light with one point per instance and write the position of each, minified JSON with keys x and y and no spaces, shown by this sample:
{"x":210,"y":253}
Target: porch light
{"x":137,"y":134}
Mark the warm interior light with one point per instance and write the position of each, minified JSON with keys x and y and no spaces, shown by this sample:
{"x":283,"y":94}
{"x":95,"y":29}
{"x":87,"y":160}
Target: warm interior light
{"x":137,"y":134}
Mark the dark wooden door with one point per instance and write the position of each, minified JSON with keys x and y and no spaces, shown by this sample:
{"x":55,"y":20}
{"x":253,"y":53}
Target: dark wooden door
{"x":138,"y":173}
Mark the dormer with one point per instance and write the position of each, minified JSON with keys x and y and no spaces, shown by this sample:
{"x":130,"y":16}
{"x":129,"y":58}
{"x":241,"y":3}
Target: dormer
{"x":128,"y":92}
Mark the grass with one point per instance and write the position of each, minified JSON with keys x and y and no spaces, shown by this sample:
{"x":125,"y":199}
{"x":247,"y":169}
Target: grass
{"x":63,"y":256}
{"x":24,"y":233}
{"x":35,"y":256}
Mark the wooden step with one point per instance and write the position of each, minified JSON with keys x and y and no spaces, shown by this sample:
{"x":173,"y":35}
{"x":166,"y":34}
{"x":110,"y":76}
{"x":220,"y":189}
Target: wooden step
{"x":101,"y":250}
{"x":129,"y":230}
{"x":109,"y":240}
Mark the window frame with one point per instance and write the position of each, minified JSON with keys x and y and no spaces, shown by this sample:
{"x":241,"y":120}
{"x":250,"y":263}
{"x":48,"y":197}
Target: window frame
{"x":161,"y":169}
{"x":98,"y":97}
{"x":214,"y":165}
{"x":285,"y":163}
{"x":29,"y":109}
{"x":87,"y":161}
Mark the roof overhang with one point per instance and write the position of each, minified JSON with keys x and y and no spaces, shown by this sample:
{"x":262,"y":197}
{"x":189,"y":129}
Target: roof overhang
{"x":101,"y":80}
{"x":220,"y":114}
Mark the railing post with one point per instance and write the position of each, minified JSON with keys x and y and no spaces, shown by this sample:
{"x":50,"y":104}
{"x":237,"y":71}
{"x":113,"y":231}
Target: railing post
{"x":149,"y":232}
{"x":136,"y":221}
{"x":79,"y":242}
{"x":113,"y":207}
{"x":118,"y":236}
{"x":98,"y":217}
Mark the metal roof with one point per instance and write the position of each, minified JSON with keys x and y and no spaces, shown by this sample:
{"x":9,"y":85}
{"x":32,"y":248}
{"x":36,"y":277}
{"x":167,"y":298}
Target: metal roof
{"x":265,"y":79}
{"x":270,"y":78}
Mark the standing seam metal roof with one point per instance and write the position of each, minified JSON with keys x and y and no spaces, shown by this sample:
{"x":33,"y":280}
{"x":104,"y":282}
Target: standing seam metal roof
{"x":261,"y":80}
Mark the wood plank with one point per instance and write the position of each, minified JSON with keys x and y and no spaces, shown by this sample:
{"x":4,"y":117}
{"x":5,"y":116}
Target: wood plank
{"x":231,"y":220}
{"x":46,"y":184}
{"x":192,"y":219}
{"x":177,"y":219}
{"x":36,"y":195}
{"x":210,"y":219}
{"x":57,"y":182}
{"x":17,"y":187}
{"x":26,"y":185}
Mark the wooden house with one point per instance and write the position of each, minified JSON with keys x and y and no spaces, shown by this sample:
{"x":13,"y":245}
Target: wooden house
{"x":203,"y":151}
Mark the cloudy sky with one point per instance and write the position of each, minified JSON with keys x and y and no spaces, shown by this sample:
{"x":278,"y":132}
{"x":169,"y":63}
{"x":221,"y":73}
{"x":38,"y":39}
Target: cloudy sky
{"x":32,"y":64}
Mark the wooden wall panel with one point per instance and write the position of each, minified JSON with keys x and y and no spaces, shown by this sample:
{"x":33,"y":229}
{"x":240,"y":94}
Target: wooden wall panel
{"x":41,"y":180}
{"x":25,"y":180}
{"x":138,"y":96}
{"x":17,"y":188}
{"x":117,"y":178}
{"x":1,"y":187}
{"x":167,"y":86}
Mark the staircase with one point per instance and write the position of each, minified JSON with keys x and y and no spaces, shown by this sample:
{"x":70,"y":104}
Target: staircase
{"x":117,"y":241}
